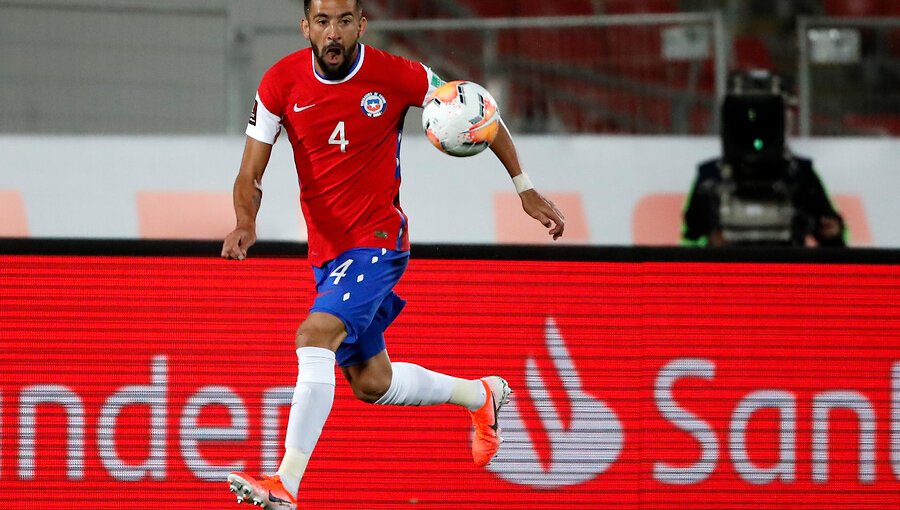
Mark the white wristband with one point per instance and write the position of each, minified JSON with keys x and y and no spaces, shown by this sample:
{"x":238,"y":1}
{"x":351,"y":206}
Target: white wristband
{"x":522,"y":183}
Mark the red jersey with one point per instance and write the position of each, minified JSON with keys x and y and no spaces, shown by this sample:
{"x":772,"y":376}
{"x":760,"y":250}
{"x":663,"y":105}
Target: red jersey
{"x":346,"y":138}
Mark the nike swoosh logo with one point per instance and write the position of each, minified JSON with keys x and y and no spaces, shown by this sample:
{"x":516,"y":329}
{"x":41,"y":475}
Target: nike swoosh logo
{"x":494,"y":403}
{"x":276,"y":499}
{"x":299,"y":109}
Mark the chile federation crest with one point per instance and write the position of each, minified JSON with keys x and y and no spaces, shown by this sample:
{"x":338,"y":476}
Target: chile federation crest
{"x":373,"y":104}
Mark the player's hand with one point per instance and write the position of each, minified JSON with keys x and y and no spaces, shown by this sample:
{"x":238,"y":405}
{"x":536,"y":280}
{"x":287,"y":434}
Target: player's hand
{"x":829,"y":227}
{"x":545,"y":211}
{"x":237,"y":243}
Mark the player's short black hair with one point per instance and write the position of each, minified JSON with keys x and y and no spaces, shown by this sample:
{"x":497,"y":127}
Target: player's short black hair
{"x":359,"y":6}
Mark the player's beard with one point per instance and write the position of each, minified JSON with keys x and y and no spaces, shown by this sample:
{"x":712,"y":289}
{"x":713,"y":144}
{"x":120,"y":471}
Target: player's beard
{"x":339,"y":71}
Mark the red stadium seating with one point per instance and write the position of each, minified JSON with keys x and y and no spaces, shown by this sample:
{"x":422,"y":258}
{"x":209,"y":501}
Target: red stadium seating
{"x":545,"y":8}
{"x":530,"y":8}
{"x":751,"y":52}
{"x":622,"y":108}
{"x":403,"y":9}
{"x":490,"y":9}
{"x":873,"y":124}
{"x":636,"y":51}
{"x":856,"y":8}
{"x":640,"y":6}
{"x":893,"y":9}
{"x":584,"y":47}
{"x":701,"y":121}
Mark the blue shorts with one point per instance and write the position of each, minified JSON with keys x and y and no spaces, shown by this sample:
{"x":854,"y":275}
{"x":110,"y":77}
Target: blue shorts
{"x":358,"y":288}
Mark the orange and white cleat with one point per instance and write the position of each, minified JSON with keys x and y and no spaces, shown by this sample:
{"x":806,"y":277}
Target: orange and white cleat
{"x":487,"y":432}
{"x":268,"y":492}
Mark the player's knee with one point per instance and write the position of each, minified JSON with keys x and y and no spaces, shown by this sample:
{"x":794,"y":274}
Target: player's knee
{"x":370,"y":389}
{"x":313,"y":336}
{"x":320,"y":330}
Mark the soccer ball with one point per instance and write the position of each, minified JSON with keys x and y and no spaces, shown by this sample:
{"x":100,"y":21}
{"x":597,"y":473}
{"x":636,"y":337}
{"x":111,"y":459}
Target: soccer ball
{"x":461,"y":118}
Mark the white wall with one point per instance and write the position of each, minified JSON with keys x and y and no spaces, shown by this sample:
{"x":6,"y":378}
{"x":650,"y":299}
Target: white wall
{"x":87,"y":186}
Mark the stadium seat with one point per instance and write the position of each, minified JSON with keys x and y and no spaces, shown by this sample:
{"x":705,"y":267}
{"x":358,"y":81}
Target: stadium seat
{"x":879,"y":124}
{"x":701,"y":120}
{"x":490,"y":9}
{"x":856,"y":8}
{"x":751,"y":52}
{"x":545,"y":8}
{"x":894,"y":41}
{"x":893,"y":10}
{"x":635,"y":52}
{"x":583,"y":47}
{"x":12,"y":211}
{"x":530,"y":8}
{"x":640,"y":6}
{"x":405,"y":9}
{"x":622,"y":108}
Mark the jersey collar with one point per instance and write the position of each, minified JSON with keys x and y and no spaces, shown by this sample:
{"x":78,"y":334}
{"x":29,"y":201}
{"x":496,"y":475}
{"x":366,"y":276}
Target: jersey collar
{"x":354,"y":68}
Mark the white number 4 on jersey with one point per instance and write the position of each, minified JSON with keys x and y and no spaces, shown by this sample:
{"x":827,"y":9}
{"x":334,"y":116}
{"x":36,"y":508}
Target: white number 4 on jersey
{"x":338,"y":137}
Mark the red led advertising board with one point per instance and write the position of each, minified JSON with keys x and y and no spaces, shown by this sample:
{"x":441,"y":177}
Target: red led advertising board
{"x":139,"y":382}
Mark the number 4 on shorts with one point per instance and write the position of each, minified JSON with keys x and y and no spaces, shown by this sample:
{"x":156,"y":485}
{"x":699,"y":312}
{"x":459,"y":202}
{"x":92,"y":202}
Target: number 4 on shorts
{"x":340,"y":271}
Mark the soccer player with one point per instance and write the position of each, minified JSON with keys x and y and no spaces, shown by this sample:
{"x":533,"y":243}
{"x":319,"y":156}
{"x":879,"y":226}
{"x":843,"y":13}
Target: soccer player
{"x":342,"y":105}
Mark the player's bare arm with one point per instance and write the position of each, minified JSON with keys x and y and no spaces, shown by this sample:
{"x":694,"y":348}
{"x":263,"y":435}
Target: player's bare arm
{"x":247,"y":199}
{"x":535,"y":204}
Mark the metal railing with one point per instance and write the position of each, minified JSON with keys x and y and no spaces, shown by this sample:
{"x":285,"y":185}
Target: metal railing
{"x":89,"y":66}
{"x":638,"y":74}
{"x":849,"y":76}
{"x":192,"y":66}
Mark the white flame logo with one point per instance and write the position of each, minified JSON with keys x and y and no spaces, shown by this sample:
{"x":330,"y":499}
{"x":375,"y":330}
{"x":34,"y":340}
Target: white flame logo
{"x":580,"y":452}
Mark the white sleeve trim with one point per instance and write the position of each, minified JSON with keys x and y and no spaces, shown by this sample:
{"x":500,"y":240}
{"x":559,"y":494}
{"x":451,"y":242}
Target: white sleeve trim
{"x":434,"y":81}
{"x":264,"y":125}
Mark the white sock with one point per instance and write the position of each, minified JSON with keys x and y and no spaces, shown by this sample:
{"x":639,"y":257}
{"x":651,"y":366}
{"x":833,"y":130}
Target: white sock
{"x":469,"y":394}
{"x":291,"y":470}
{"x":313,"y":397}
{"x":412,"y":385}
